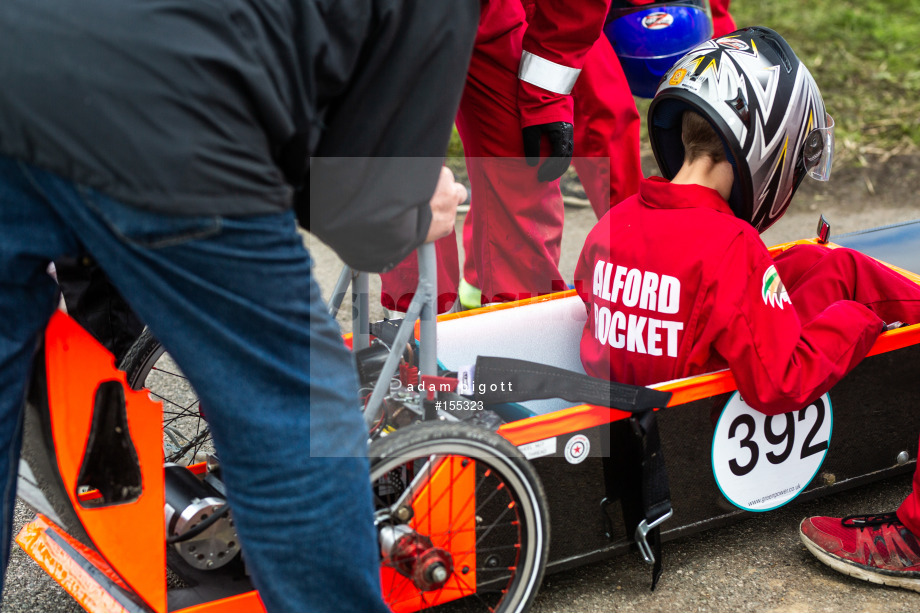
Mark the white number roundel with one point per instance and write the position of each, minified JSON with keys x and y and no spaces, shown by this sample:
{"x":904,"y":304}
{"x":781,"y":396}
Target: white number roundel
{"x":762,"y":462}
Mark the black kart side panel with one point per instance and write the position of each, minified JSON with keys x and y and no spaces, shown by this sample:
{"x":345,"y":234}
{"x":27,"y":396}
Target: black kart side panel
{"x":875,"y":418}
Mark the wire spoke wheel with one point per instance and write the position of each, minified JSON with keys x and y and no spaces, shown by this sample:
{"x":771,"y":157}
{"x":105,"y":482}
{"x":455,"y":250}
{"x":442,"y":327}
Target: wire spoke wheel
{"x":186,"y":436}
{"x":462,"y":520}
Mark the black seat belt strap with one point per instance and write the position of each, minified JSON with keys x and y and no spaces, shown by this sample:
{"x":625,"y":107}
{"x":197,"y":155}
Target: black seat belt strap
{"x":509,"y":380}
{"x":656,"y":494}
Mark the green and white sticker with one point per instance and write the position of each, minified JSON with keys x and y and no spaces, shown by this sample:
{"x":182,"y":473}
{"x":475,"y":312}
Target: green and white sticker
{"x":762,"y":462}
{"x":773,"y":291}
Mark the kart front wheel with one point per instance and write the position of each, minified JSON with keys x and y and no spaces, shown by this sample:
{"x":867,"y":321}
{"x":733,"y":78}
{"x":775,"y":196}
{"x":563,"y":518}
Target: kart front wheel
{"x":186,"y":435}
{"x":462,"y":520}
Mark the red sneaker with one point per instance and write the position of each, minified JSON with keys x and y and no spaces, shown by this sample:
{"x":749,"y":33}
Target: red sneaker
{"x":874,"y":547}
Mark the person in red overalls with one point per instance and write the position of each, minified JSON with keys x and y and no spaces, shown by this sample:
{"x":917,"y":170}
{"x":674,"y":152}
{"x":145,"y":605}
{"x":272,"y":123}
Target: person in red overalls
{"x":517,"y":107}
{"x":606,"y":120}
{"x":677,"y":282}
{"x":676,"y":279}
{"x":512,"y":234}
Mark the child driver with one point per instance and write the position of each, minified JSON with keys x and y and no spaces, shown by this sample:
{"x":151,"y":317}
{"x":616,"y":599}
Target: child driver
{"x":677,"y":280}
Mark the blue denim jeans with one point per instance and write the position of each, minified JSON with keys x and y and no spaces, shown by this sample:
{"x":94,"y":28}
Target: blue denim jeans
{"x":234,"y":302}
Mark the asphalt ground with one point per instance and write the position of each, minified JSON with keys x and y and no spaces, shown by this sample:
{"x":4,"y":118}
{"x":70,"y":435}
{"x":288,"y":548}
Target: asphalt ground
{"x":755,"y":565}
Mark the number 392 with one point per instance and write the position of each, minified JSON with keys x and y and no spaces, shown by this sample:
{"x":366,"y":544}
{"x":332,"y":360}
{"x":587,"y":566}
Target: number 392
{"x":780,"y":433}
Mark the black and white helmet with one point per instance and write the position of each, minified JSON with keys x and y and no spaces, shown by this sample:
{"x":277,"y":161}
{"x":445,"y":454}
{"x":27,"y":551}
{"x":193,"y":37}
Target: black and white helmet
{"x":766,"y":107}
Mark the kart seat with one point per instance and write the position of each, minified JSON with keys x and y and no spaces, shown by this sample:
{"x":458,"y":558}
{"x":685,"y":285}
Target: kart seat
{"x":547,"y":332}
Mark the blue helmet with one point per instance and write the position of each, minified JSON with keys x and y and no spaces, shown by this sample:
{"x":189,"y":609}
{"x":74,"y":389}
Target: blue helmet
{"x":649,"y":38}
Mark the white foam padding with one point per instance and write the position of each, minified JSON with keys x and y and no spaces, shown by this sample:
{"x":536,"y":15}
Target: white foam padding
{"x":548,"y":332}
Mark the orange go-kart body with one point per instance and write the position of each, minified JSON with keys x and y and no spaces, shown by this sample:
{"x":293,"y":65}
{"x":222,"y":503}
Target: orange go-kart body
{"x":111,"y":557}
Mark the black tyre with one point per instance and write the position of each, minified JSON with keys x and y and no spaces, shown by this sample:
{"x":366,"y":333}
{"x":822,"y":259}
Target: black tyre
{"x":466,"y":499}
{"x":186,"y":437}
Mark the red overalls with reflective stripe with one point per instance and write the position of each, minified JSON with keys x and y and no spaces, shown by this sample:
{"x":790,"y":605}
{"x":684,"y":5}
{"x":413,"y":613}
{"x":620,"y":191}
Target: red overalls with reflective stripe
{"x":513,"y":231}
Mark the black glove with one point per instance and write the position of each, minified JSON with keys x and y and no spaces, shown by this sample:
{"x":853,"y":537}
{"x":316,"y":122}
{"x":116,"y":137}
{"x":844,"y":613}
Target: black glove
{"x":561,"y":137}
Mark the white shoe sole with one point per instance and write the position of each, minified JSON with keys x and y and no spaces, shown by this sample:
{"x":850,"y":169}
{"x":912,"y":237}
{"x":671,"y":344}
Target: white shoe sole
{"x":860,"y":573}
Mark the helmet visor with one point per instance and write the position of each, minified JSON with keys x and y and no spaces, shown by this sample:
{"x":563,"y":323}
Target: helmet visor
{"x":818,"y":152}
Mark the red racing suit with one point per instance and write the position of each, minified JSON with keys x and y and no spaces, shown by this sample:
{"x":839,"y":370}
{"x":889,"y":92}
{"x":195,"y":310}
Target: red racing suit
{"x":512,"y":235}
{"x":675,"y":285}
{"x":722,"y":22}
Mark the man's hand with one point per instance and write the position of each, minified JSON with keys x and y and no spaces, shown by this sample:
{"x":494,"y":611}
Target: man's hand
{"x":447,"y":195}
{"x":561,"y":137}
